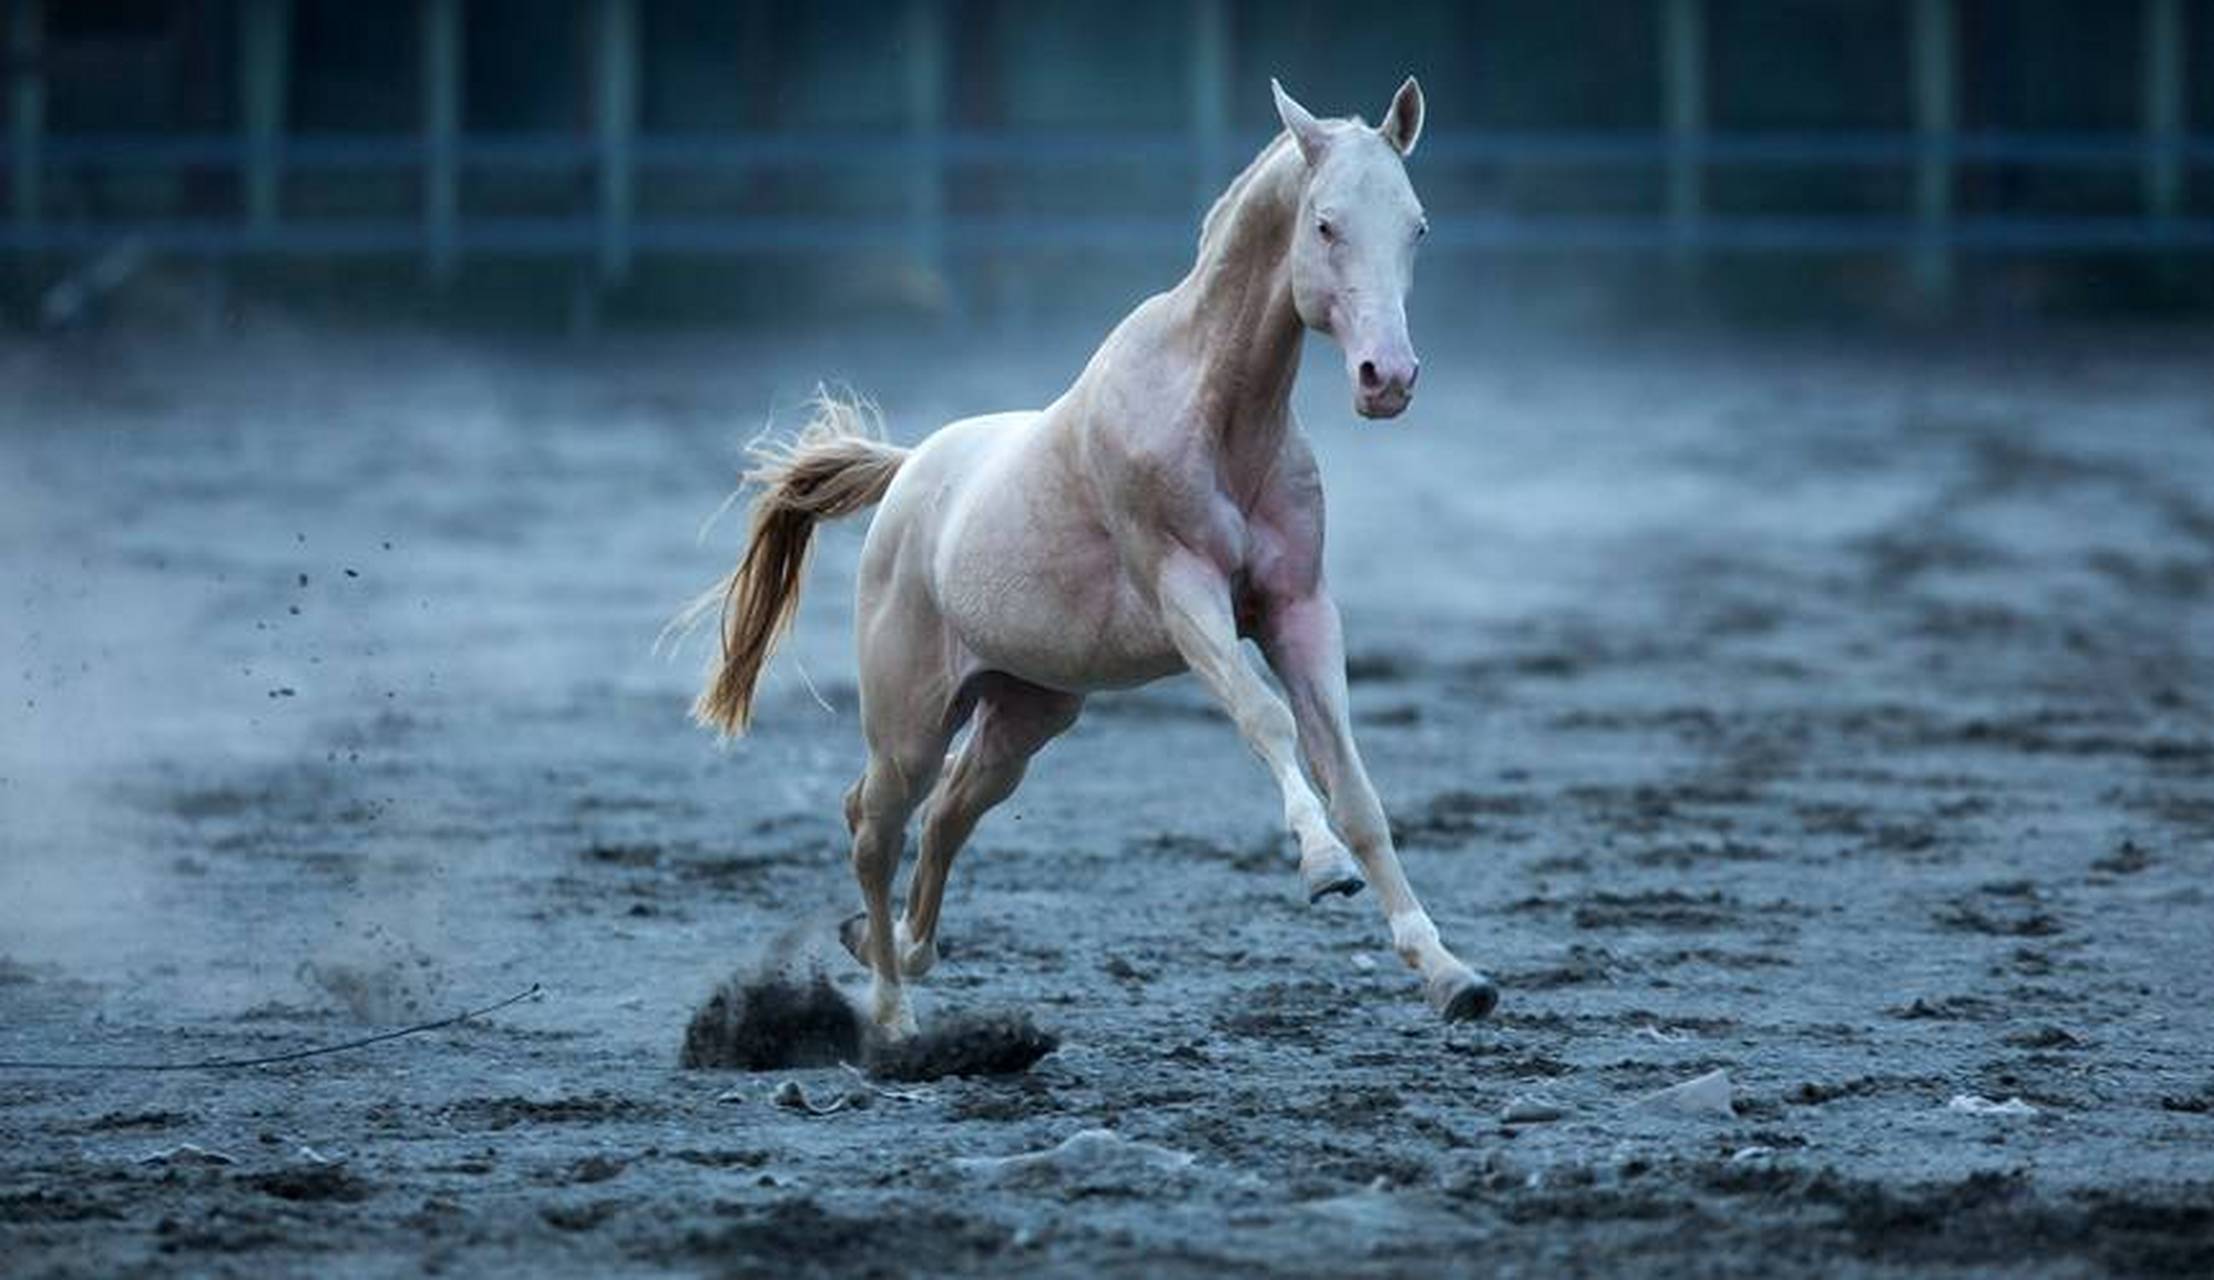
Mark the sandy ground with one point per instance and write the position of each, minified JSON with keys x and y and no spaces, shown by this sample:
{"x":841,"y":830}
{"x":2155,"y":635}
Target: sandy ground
{"x":1838,"y":716}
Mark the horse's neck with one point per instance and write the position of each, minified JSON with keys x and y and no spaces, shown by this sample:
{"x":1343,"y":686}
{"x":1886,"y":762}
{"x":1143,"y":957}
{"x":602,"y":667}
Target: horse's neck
{"x":1244,"y":328}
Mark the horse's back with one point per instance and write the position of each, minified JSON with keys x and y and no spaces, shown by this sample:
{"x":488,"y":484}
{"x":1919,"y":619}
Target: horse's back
{"x":962,"y":442}
{"x":951,"y":460}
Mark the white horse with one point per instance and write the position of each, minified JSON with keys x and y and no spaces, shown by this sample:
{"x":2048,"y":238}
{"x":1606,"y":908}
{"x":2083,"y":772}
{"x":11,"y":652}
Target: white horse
{"x":1163,"y":508}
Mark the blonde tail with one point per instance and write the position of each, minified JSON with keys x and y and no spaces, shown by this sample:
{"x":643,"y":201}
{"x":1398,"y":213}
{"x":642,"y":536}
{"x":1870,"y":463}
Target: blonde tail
{"x":839,"y":464}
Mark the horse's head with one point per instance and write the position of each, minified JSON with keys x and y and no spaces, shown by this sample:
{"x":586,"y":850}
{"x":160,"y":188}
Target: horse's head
{"x":1353,"y":243}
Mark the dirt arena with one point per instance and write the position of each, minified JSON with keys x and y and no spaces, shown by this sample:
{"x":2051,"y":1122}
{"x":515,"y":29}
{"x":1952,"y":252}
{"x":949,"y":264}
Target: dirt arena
{"x":1838,"y":716}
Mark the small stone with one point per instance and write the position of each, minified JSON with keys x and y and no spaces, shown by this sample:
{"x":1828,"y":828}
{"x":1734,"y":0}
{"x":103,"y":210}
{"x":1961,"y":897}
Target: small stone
{"x":1707,"y":1095}
{"x":187,"y":1153}
{"x":1530,"y":1111}
{"x":1976,"y":1105}
{"x":1093,"y":1159}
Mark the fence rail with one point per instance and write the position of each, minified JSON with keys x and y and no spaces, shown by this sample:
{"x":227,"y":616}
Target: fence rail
{"x":753,"y":235}
{"x":969,"y":233}
{"x":1107,"y":147}
{"x":610,"y":155}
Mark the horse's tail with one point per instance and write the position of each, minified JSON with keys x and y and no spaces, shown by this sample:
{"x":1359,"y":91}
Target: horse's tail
{"x":837,"y":465}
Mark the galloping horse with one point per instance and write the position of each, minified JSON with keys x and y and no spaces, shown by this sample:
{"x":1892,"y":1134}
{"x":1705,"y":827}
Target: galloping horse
{"x":1164,"y":508}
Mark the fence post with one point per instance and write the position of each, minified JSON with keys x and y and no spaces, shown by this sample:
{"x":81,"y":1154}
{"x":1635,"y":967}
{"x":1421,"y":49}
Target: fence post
{"x":615,"y":117}
{"x":263,"y":70}
{"x":1684,"y":108}
{"x":1936,"y":121}
{"x":926,"y":111}
{"x":26,"y":111}
{"x":441,"y":137}
{"x":2164,"y":122}
{"x":1210,"y":74}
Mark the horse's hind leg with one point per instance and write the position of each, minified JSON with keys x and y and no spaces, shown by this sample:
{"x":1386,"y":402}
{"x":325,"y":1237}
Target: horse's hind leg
{"x":890,"y":788}
{"x":1014,"y":719}
{"x":908,"y":719}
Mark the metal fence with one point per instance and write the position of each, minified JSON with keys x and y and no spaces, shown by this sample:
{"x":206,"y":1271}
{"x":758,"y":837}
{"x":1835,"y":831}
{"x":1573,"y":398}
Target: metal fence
{"x":613,"y":155}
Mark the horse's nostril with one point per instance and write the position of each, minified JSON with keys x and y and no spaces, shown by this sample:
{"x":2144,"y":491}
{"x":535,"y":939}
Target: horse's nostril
{"x":1414,"y":371}
{"x":1368,"y":373}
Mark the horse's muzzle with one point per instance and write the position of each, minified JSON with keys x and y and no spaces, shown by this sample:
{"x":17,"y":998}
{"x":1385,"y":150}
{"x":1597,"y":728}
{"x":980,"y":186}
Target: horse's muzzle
{"x":1382,"y":388}
{"x":1387,"y":404}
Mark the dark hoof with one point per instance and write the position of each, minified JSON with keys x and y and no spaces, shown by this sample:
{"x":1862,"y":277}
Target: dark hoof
{"x":853,"y":932}
{"x":1343,"y":886}
{"x":1464,"y":997}
{"x":1328,"y":871}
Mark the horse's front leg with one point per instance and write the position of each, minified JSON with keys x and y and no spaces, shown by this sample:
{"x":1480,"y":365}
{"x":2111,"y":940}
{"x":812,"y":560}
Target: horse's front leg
{"x":1196,"y":609}
{"x":1306,"y":649}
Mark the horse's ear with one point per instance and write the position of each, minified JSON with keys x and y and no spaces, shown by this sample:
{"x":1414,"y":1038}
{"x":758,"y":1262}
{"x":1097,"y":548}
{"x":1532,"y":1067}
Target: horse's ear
{"x":1304,"y":128}
{"x":1403,"y":119}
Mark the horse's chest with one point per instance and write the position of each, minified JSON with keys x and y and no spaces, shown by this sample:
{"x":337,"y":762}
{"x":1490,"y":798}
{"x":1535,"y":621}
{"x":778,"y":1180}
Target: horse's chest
{"x":1283,"y":561}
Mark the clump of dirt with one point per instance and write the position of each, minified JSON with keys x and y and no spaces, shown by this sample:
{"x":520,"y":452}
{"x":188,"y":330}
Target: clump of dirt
{"x":769,"y":1019}
{"x":984,"y":1044}
{"x":311,"y":1182}
{"x":764,"y":1020}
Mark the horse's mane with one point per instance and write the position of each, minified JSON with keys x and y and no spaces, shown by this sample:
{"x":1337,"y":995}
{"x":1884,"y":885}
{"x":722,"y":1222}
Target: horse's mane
{"x":1219,"y":212}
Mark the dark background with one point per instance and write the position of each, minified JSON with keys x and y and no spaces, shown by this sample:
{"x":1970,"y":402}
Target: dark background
{"x":716,"y":162}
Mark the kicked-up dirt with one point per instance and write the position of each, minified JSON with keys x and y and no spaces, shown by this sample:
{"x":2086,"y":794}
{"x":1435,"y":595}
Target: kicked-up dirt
{"x":1837,"y":719}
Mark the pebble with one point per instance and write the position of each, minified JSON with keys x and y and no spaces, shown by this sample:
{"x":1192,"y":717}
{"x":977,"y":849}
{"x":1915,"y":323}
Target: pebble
{"x":1975,"y":1105}
{"x":1707,"y":1095}
{"x":1530,"y":1111}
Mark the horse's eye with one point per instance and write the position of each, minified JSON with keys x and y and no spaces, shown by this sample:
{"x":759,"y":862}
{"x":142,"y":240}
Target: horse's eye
{"x":1325,"y":230}
{"x":1422,"y":228}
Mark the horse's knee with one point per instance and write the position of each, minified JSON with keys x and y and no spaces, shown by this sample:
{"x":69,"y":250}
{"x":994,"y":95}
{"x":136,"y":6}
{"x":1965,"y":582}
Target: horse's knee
{"x":853,"y":806}
{"x":1268,"y":725}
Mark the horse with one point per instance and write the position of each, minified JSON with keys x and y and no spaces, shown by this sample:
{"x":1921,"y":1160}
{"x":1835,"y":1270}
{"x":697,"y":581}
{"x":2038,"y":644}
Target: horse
{"x":1164,"y":509}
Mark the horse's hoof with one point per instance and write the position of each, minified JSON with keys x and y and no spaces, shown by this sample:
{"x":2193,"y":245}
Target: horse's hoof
{"x":853,"y":933}
{"x":1344,"y":886}
{"x":1335,"y":874}
{"x":1462,"y":996}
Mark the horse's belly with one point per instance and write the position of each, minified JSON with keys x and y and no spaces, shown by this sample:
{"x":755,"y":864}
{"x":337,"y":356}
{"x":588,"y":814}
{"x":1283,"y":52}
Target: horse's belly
{"x":1048,"y":600}
{"x":1117,"y":654}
